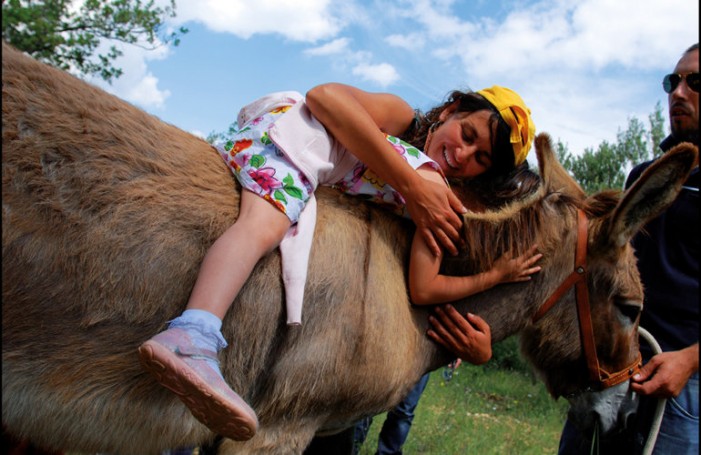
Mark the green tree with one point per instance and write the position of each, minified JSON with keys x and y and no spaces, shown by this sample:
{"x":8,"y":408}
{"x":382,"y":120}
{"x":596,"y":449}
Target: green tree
{"x":657,"y":129}
{"x":563,"y":155}
{"x":599,"y":169}
{"x":633,"y":144}
{"x":607,"y":166}
{"x":67,"y":36}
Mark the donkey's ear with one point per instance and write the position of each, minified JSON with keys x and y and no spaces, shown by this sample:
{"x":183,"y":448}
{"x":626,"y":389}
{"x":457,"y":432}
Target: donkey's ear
{"x":655,"y":189}
{"x":553,"y":174}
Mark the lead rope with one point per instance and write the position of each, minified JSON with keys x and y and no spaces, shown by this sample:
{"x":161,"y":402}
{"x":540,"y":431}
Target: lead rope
{"x":594,"y":450}
{"x":659,"y":410}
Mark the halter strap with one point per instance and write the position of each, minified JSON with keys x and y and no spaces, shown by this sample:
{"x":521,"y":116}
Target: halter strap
{"x":578,"y":279}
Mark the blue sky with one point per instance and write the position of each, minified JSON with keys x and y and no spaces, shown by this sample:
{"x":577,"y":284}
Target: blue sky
{"x":584,"y":67}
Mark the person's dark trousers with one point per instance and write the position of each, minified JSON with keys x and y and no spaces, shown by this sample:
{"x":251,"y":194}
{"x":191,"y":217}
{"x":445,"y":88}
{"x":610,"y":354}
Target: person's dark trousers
{"x":396,"y":428}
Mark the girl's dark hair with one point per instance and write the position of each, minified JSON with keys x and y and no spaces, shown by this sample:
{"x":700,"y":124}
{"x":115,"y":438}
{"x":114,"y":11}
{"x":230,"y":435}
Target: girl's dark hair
{"x":503,"y":188}
{"x":468,"y":102}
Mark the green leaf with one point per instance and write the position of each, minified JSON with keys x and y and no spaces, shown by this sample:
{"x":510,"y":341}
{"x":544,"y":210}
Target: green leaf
{"x":257,"y":161}
{"x":279,"y":196}
{"x":294,"y":192}
{"x":57,"y":33}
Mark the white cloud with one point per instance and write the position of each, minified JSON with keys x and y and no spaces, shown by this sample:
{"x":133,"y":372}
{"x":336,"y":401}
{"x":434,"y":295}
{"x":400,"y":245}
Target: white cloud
{"x":583,"y":67}
{"x":336,"y":46}
{"x":590,"y":35}
{"x":412,"y":42}
{"x":145,"y":92}
{"x":357,"y":62}
{"x":633,"y":33}
{"x":383,"y":74}
{"x":198,"y":133}
{"x":299,"y":20}
{"x":439,"y":19}
{"x":137,"y":84}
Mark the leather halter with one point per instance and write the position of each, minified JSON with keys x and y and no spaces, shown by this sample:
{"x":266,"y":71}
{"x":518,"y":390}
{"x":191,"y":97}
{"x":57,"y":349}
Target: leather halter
{"x":578,"y":278}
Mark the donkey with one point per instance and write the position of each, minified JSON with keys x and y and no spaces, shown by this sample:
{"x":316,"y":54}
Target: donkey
{"x":108,"y":211}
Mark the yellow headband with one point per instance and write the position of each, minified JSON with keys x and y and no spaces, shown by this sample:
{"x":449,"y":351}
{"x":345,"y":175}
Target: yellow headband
{"x":517,"y":115}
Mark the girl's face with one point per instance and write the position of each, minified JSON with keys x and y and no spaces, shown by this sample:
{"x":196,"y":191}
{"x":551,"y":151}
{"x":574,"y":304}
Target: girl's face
{"x":462,"y":145}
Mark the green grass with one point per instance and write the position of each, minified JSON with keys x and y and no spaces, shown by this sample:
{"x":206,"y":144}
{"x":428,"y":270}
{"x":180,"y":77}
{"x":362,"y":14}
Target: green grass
{"x":482,"y":410}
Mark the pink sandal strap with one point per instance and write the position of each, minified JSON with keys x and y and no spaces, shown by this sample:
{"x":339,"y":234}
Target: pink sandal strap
{"x":196,"y":353}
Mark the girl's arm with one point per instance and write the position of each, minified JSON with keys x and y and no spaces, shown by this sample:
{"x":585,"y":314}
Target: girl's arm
{"x":427,"y":286}
{"x":359,"y":120}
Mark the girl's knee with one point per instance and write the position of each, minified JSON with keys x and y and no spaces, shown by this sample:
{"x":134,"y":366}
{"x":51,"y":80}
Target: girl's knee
{"x":263,"y":223}
{"x":271,"y":235}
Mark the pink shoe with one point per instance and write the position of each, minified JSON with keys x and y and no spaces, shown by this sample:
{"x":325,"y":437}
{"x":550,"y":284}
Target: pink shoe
{"x":179,"y":366}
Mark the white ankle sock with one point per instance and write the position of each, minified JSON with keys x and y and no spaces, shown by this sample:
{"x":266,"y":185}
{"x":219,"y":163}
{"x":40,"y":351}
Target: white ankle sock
{"x":204,"y":329}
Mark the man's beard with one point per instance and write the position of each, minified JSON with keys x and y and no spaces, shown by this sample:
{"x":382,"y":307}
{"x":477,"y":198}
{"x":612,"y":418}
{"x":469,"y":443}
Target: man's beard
{"x":687,"y":135}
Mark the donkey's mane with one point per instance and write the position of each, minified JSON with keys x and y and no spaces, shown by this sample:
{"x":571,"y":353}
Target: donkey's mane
{"x":514,"y":227}
{"x":526,"y":221}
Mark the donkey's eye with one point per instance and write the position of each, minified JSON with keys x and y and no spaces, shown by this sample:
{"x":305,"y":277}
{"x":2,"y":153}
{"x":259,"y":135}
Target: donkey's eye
{"x":629,"y":309}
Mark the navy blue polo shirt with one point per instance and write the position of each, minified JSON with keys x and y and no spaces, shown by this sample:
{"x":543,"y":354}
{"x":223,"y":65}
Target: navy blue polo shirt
{"x":668,"y":259}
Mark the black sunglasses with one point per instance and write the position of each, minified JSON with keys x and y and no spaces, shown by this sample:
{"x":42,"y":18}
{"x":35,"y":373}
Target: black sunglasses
{"x":671,"y":81}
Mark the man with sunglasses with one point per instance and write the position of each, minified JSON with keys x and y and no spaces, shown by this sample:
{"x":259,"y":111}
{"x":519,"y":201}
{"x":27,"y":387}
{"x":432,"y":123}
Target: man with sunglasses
{"x":683,"y":88}
{"x":668,"y":260}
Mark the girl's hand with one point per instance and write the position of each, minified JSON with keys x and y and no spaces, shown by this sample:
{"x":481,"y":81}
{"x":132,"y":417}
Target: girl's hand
{"x":432,"y":207}
{"x":469,"y":337}
{"x":512,"y":270}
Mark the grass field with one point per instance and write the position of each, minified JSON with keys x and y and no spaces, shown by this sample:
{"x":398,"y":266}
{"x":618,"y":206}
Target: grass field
{"x":482,"y":411}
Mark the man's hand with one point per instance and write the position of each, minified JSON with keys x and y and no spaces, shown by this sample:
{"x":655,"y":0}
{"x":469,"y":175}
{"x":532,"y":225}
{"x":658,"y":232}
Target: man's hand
{"x":666,"y":374}
{"x":468,"y":336}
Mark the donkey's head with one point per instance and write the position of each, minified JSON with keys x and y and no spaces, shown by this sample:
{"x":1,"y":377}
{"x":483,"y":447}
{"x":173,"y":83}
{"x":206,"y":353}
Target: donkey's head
{"x":579,"y":315}
{"x":584,"y":337}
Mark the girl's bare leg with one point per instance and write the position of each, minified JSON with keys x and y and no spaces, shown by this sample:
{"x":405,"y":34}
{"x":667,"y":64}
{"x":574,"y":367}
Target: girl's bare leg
{"x":229,"y":262}
{"x":183,"y":358}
